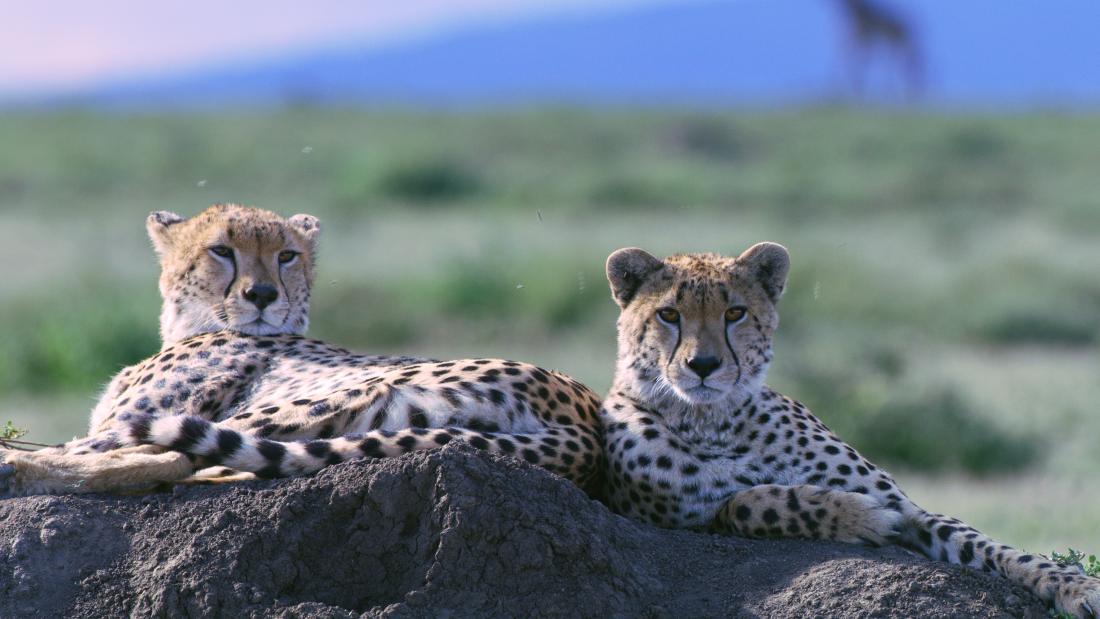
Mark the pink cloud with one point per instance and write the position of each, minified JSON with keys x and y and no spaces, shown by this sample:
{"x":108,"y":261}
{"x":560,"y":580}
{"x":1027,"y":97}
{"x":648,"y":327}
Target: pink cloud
{"x":59,"y":43}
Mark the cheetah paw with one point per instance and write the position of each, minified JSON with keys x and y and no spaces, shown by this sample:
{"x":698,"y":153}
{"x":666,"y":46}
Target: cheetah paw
{"x":861,"y":519}
{"x":7,"y":477}
{"x":14,"y":474}
{"x":25,"y":473}
{"x":1080,"y":598}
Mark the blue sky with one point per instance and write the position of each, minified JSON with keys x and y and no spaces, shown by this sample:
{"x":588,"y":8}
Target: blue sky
{"x":210,"y":52}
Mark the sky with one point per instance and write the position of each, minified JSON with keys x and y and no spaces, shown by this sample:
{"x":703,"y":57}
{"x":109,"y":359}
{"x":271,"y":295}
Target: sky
{"x":1021,"y":52}
{"x":63,"y":44}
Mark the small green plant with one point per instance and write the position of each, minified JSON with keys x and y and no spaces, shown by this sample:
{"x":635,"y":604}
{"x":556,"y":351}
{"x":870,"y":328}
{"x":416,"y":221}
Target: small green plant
{"x":1090,"y":564}
{"x":10,"y":433}
{"x":10,"y":438}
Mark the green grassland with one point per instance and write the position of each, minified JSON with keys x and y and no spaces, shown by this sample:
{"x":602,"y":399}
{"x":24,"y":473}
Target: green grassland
{"x":943,"y":312}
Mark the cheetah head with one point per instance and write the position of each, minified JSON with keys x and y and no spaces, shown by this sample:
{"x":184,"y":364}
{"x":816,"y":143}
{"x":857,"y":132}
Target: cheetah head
{"x":697,"y":328}
{"x":234,"y":267}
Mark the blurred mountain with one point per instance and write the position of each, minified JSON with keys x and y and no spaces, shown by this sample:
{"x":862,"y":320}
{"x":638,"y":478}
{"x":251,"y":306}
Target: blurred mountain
{"x":984,"y":52}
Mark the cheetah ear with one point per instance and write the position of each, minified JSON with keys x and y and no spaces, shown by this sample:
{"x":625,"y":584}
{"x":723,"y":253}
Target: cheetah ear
{"x":308,"y":226}
{"x":767,"y":263}
{"x":159,"y":226}
{"x":627,"y":270}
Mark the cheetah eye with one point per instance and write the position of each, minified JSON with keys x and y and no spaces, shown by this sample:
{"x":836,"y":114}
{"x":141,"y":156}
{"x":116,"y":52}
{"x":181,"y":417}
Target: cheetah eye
{"x":287,"y":256}
{"x":221,"y":251}
{"x":669,"y":315}
{"x":735,"y":314}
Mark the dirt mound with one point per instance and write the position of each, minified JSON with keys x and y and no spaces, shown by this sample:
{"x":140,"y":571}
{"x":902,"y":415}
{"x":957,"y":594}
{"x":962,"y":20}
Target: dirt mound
{"x":445,"y":533}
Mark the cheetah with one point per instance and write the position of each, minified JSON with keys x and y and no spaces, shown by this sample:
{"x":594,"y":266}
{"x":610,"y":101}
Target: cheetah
{"x":693,"y":438}
{"x":231,"y":267}
{"x":238,"y":392}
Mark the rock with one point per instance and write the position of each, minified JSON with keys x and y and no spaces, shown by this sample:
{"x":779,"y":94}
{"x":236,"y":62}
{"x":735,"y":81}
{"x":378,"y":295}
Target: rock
{"x":452,"y":532}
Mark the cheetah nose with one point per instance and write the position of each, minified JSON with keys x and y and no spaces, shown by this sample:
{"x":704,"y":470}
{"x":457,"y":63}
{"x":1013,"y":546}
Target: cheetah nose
{"x":704,"y":366}
{"x":261,"y":295}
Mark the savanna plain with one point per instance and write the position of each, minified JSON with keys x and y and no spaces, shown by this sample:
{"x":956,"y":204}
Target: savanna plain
{"x":942,"y":314}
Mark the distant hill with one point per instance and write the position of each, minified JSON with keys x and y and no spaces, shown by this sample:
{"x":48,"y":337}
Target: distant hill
{"x":983,"y":52}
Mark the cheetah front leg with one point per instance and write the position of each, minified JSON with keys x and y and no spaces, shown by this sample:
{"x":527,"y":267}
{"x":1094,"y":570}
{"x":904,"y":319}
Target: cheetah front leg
{"x":807,"y":511}
{"x":813,"y":512}
{"x":946,"y":539}
{"x":128,"y":469}
{"x":950,"y":540}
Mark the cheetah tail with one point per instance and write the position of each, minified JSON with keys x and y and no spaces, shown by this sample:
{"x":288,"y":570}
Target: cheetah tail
{"x":221,"y":445}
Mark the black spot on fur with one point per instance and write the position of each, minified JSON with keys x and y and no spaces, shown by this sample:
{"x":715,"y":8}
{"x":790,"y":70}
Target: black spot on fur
{"x":229,"y":441}
{"x":192,"y":430}
{"x":139,"y":428}
{"x":318,"y":449}
{"x":417,"y":418}
{"x":967,"y":553}
{"x":271,"y":450}
{"x":372,"y":448}
{"x":407,"y":443}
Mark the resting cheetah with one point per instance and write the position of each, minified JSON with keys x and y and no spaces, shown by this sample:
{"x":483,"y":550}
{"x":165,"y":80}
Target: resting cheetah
{"x":693,"y":437}
{"x":230,"y":267}
{"x":237,"y":385}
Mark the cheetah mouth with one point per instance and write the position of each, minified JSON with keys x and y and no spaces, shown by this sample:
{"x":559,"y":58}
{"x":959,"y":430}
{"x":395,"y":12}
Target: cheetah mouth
{"x":259,"y":326}
{"x":263,"y":322}
{"x":702,"y":393}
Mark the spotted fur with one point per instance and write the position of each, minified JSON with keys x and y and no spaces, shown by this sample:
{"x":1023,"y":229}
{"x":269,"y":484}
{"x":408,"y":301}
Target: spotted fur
{"x":277,"y":404}
{"x":694,"y":438}
{"x":286,"y":405}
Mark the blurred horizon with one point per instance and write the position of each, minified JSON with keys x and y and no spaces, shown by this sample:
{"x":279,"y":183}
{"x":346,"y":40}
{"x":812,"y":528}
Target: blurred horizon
{"x":982,"y":53}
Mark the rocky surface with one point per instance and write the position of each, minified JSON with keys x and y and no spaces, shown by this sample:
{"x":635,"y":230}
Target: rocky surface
{"x":445,"y":533}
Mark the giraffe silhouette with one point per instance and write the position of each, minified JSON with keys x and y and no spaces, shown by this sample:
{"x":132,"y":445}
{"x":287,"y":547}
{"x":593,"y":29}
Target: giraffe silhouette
{"x":874,"y":27}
